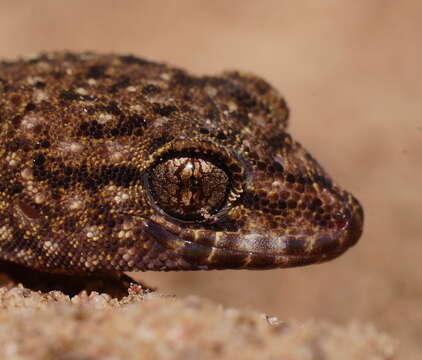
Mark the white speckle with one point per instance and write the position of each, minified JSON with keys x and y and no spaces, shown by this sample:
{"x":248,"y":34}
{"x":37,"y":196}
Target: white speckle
{"x":31,"y":187}
{"x":126,"y":231}
{"x":165,"y":76}
{"x":160,"y":99}
{"x":26,"y":174}
{"x":131,"y":88}
{"x":120,"y":197}
{"x":116,"y":156}
{"x":103,"y":118}
{"x":93,"y":232}
{"x":32,"y":80}
{"x":5,"y":232}
{"x":12,"y":159}
{"x":31,"y":121}
{"x":232,"y":106}
{"x":39,"y":96}
{"x":39,"y":198}
{"x":211,"y":91}
{"x":75,"y":204}
{"x":49,"y":247}
{"x":75,"y":147}
{"x":160,"y":121}
{"x":135,"y":108}
{"x":72,"y":147}
{"x":28,"y":254}
{"x":127,"y":225}
{"x":82,"y":91}
{"x":116,"y":151}
{"x":276,"y":183}
{"x":92,"y":82}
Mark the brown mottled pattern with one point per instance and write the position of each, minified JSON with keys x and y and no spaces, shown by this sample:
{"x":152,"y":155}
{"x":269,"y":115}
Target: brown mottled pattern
{"x":97,"y":151}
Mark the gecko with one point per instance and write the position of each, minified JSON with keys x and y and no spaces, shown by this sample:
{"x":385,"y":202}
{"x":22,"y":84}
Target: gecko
{"x":112,"y":163}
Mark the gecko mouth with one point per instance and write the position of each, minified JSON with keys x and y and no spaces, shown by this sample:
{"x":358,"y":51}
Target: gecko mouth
{"x":264,"y":254}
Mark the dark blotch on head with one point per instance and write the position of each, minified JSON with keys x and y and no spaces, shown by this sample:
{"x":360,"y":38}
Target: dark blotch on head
{"x":15,"y":188}
{"x":16,"y":144}
{"x":40,"y":85}
{"x":150,"y":89}
{"x":278,"y":167}
{"x":70,"y":95}
{"x":39,"y":160}
{"x":130,"y":59}
{"x":96,"y":71}
{"x":221,"y":135}
{"x":223,"y":259}
{"x":323,"y":181}
{"x":295,"y":246}
{"x":91,"y":129}
{"x":184,"y":80}
{"x":42,"y":144}
{"x":243,"y":98}
{"x":159,"y":142}
{"x":122,"y":82}
{"x":133,"y":125}
{"x":113,"y":108}
{"x":324,"y":244}
{"x":290,"y":178}
{"x":30,"y":107}
{"x":280,"y":141}
{"x":164,"y":110}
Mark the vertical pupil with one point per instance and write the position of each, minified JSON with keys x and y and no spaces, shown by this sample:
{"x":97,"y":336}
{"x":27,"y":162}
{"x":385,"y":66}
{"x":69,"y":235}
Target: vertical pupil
{"x":188,"y":188}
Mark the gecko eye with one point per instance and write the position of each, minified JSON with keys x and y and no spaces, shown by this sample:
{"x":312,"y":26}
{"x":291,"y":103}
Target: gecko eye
{"x":189,"y":188}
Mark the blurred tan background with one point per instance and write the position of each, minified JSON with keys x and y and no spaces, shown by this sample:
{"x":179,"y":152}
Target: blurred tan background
{"x":352,"y":74}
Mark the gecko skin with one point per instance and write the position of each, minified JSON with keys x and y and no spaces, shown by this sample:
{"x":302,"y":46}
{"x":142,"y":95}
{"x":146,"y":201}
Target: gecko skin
{"x":116,"y":163}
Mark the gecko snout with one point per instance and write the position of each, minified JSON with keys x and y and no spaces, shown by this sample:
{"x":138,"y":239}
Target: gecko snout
{"x":328,"y":245}
{"x":355,"y":225}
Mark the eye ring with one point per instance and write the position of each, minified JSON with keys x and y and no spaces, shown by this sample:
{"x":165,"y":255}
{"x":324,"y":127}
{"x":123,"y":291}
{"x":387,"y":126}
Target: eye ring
{"x":205,"y":151}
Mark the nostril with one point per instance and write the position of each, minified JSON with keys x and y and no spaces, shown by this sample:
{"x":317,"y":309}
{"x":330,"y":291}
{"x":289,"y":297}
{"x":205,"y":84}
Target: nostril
{"x":340,"y":219}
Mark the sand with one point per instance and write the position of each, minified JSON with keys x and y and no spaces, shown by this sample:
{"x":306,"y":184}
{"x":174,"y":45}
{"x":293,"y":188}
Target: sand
{"x":154,"y":326}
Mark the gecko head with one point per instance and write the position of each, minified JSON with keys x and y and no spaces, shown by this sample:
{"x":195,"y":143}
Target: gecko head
{"x":239,"y":192}
{"x":128,"y":164}
{"x":220,"y":207}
